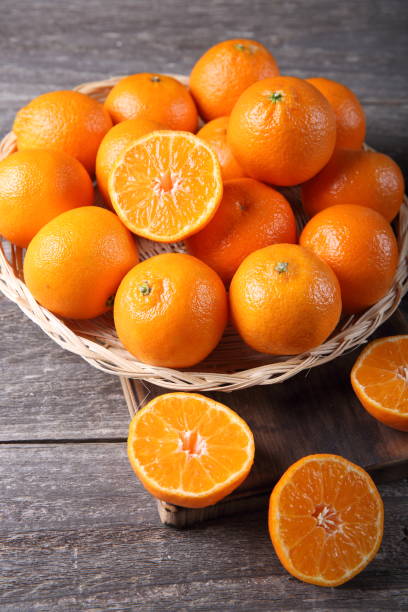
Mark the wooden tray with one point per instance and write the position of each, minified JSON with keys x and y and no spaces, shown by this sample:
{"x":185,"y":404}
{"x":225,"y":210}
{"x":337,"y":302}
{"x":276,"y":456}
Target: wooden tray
{"x":315,"y":412}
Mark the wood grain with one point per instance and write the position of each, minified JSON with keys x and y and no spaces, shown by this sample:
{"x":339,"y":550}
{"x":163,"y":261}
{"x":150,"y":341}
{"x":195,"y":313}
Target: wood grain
{"x":78,"y":531}
{"x":48,"y":393}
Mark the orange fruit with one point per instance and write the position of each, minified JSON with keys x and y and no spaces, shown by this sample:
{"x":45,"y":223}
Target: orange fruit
{"x":215,"y":134}
{"x":284,"y":300}
{"x":364,"y":178}
{"x":360,"y":247}
{"x":251,"y":216}
{"x":35,"y":187}
{"x":114,"y":143}
{"x":380,"y":380}
{"x":166,"y":185}
{"x":189,"y":450}
{"x":282,"y":130}
{"x":350,"y":117}
{"x":75,"y":263}
{"x":171,"y":310}
{"x":326,"y":520}
{"x":66,"y":121}
{"x":224,"y":71}
{"x":156,"y":97}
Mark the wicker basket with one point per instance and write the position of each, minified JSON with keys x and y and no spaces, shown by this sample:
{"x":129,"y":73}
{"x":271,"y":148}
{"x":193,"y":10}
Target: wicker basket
{"x":232,"y":365}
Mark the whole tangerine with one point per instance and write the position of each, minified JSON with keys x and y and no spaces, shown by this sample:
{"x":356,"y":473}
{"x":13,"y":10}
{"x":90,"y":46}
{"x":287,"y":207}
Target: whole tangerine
{"x":152,"y":96}
{"x":360,"y":247}
{"x":350,"y":117}
{"x":224,"y":71}
{"x":282,"y":130}
{"x":35,"y":187}
{"x":363,"y":178}
{"x":171,"y":310}
{"x":67,"y":121}
{"x":75,"y":263}
{"x":284,"y":300}
{"x":251,"y":216}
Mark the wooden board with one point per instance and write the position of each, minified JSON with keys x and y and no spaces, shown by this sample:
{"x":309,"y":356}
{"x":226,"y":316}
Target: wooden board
{"x":315,"y":412}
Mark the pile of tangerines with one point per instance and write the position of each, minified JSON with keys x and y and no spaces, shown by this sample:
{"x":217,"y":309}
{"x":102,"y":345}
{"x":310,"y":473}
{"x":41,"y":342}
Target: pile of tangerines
{"x":165,"y":181}
{"x":164,"y":178}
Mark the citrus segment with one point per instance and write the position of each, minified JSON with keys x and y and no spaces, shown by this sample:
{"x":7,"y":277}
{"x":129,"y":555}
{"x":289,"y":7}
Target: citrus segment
{"x":380,"y":380}
{"x":166,"y":186}
{"x":189,"y":450}
{"x":325,"y":519}
{"x":119,"y":137}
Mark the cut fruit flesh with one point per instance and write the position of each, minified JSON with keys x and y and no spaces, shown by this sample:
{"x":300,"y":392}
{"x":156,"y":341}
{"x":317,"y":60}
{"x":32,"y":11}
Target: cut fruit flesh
{"x":189,"y":450}
{"x":325,"y":519}
{"x":166,"y":186}
{"x":380,"y":380}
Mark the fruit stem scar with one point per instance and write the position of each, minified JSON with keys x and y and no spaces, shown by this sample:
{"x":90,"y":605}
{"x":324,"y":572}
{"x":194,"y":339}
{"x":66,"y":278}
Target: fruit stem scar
{"x":402,"y":372}
{"x":145,"y":288}
{"x":327,"y":518}
{"x":241,"y":206}
{"x":275,"y":96}
{"x":155,"y":78}
{"x":109,"y":301}
{"x":281,"y":266}
{"x":245,"y":48}
{"x":192,"y":443}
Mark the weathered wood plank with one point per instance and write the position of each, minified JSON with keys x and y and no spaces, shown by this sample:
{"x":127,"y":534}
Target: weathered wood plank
{"x":79,"y":532}
{"x":46,"y":392}
{"x":364,"y":39}
{"x":46,"y":46}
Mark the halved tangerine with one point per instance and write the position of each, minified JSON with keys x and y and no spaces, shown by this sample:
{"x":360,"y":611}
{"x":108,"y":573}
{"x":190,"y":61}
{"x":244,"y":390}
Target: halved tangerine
{"x":189,"y":450}
{"x":166,"y":186}
{"x":380,"y":380}
{"x":325,"y":519}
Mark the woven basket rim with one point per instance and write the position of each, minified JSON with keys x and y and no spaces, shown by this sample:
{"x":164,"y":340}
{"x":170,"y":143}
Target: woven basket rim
{"x":94,"y":341}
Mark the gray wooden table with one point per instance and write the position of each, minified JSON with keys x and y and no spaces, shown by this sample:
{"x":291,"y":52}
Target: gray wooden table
{"x":78,"y":532}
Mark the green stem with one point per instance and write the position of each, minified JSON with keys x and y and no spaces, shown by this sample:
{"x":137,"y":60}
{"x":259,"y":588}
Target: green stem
{"x":281,"y":266}
{"x":145,"y":288}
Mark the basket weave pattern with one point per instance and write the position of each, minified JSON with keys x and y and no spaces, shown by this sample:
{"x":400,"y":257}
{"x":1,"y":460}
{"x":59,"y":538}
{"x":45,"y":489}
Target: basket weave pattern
{"x":232,"y":365}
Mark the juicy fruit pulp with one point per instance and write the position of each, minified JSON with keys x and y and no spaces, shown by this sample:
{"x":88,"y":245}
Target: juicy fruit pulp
{"x":325,"y":519}
{"x":189,"y":450}
{"x":114,"y":143}
{"x":380,"y":380}
{"x":166,"y":186}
